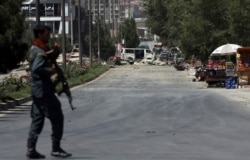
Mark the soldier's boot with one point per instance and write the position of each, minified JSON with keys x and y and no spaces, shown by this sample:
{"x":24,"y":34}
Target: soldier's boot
{"x":32,"y":153}
{"x":57,"y":151}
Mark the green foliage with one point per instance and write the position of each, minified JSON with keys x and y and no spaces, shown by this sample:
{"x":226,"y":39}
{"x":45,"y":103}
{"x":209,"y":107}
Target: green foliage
{"x":74,"y":70}
{"x":107,"y":43}
{"x":93,"y":73}
{"x":98,"y":69}
{"x":12,"y":26}
{"x":24,"y":92}
{"x":239,"y":21}
{"x":14,"y":88}
{"x":14,"y":84}
{"x":157,"y":13}
{"x":197,"y":27}
{"x":128,"y":32}
{"x":85,"y":76}
{"x":3,"y":92}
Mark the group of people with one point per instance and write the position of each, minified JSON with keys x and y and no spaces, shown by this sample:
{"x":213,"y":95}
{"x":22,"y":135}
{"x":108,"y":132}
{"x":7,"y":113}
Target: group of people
{"x":44,"y":101}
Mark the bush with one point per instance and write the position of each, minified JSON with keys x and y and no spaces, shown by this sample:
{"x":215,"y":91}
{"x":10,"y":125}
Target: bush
{"x":89,"y":75}
{"x":13,"y":84}
{"x":74,"y":70}
{"x":25,"y":92}
{"x":15,"y":88}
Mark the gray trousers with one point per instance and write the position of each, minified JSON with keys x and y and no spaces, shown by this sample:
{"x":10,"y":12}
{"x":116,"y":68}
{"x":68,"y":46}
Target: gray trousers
{"x":48,"y":106}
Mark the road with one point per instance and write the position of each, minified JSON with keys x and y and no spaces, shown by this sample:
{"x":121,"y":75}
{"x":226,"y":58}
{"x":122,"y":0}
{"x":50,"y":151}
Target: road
{"x":138,"y":112}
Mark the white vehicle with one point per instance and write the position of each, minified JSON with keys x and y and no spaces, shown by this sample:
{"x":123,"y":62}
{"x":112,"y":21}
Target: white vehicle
{"x":74,"y":55}
{"x":133,"y":54}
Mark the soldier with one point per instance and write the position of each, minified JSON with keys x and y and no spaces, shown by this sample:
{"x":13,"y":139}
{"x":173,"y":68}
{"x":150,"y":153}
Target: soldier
{"x":45,"y":102}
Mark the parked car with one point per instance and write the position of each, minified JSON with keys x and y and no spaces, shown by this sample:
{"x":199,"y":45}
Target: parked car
{"x":75,"y":50}
{"x":74,"y":57}
{"x":136,"y":54}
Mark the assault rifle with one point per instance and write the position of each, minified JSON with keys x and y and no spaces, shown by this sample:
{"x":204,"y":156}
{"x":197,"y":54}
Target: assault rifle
{"x":65,"y":87}
{"x":60,"y":76}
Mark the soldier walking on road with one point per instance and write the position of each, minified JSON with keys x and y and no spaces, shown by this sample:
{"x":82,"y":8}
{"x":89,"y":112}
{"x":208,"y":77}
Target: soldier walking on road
{"x":45,"y":103}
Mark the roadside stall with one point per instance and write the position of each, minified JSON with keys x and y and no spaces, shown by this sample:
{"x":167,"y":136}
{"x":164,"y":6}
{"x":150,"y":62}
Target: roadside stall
{"x":220,"y":66}
{"x":243,"y":67}
{"x":222,"y":72}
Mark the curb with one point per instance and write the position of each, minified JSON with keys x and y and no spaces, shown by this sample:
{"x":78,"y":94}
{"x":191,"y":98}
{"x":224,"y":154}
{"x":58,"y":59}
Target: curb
{"x":13,"y":103}
{"x":16,"y":102}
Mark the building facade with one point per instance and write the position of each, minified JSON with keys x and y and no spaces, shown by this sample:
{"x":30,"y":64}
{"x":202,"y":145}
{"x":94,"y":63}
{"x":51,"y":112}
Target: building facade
{"x":112,"y":11}
{"x":50,"y":14}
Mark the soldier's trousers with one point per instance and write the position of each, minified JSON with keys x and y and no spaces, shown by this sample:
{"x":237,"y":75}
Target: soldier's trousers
{"x":48,"y":106}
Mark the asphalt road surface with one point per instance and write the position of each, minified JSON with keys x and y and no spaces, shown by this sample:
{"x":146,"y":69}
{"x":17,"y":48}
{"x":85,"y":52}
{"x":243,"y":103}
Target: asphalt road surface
{"x":138,"y":112}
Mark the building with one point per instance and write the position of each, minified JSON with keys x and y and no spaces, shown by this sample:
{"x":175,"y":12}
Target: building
{"x":112,"y":11}
{"x":50,"y":14}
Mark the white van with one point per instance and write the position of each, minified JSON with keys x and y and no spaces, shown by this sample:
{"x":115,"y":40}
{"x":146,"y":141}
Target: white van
{"x":135,"y":54}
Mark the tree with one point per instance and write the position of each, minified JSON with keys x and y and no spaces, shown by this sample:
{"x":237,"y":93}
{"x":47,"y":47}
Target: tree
{"x":197,"y":27}
{"x":128,"y":32}
{"x":107,"y":44}
{"x":12,"y":27}
{"x":157,"y":16}
{"x":239,"y":15}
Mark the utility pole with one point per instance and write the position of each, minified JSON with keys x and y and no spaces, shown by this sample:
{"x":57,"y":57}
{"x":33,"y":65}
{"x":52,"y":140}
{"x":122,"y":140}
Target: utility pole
{"x":129,"y":9}
{"x":72,"y":6}
{"x":123,"y":16}
{"x":90,"y":30}
{"x":104,"y":9}
{"x":63,"y":35}
{"x":79,"y":32}
{"x":113,"y":17}
{"x":98,"y":31}
{"x":37,"y":12}
{"x":109,"y":14}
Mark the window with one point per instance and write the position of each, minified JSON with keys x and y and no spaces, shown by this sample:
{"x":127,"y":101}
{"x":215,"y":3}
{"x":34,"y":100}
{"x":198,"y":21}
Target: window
{"x":57,"y":25}
{"x":32,"y":11}
{"x":57,"y":9}
{"x":26,"y":9}
{"x":42,"y":9}
{"x":49,"y":10}
{"x":50,"y":24}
